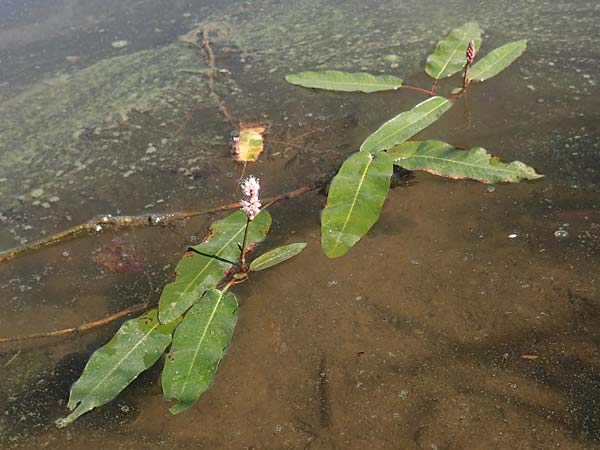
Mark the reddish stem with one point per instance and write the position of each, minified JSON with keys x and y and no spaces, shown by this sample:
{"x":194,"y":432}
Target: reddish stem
{"x":418,"y":89}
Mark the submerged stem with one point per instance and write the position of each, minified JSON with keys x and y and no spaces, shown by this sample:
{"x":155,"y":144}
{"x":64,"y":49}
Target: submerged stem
{"x":83,"y":327}
{"x":418,"y":89}
{"x":101,"y":222}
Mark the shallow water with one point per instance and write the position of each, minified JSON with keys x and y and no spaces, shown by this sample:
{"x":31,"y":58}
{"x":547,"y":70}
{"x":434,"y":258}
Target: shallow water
{"x":437,"y":331}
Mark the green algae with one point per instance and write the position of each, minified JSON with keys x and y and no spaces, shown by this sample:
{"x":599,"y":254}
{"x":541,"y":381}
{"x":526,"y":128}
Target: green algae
{"x":40,"y":127}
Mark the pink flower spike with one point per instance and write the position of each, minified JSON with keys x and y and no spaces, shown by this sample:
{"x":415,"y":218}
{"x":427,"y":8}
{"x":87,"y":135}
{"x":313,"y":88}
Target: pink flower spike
{"x":470,"y":53}
{"x":251,"y":203}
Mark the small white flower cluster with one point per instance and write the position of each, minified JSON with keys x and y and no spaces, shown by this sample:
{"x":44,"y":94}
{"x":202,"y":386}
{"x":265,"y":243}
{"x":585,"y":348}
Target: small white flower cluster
{"x":251,"y":203}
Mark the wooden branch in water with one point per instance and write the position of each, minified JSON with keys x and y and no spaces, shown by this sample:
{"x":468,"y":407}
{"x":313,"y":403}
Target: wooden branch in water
{"x":83,"y":327}
{"x":99,"y":223}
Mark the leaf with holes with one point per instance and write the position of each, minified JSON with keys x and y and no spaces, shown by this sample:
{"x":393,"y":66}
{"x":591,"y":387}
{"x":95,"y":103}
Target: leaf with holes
{"x":354,"y":202}
{"x":335,"y":80}
{"x":249,"y":143}
{"x":276,"y":256}
{"x":449,"y":57}
{"x":406,"y":124}
{"x":204,"y":265}
{"x":497,"y":60}
{"x":445,"y":160}
{"x":134,"y":348}
{"x":198,"y":346}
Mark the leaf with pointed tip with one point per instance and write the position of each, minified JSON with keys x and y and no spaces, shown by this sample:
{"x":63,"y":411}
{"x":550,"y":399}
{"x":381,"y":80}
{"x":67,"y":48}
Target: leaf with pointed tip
{"x":449,"y":54}
{"x":208,"y":262}
{"x":335,"y":80}
{"x":406,"y":124}
{"x":354,"y":202}
{"x":276,"y":256}
{"x":134,"y":348}
{"x":497,"y":60}
{"x":442,"y":159}
{"x":198,"y":346}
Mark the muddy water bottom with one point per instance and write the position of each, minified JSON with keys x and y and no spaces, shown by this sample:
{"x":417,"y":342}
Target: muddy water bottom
{"x":466,"y":319}
{"x":441,"y":328}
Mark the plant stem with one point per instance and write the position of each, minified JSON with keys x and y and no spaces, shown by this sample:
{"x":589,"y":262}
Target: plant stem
{"x":228,"y":285}
{"x":83,"y":327}
{"x":243,"y":252}
{"x":433,"y":86}
{"x":101,"y":222}
{"x":418,"y":89}
{"x":466,"y":76}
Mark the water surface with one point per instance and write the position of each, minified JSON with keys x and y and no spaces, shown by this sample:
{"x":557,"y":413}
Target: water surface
{"x":437,"y":331}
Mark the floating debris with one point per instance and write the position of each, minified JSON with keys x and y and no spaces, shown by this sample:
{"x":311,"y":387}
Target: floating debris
{"x":561,"y":234}
{"x":36,"y":193}
{"x":120,"y":44}
{"x":513,"y":235}
{"x":248,"y":144}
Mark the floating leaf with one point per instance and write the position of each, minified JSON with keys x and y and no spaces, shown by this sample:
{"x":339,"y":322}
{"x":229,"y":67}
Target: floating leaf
{"x":249,"y":143}
{"x":444,"y":160}
{"x":406,"y":124}
{"x":449,"y":54}
{"x":355,"y":199}
{"x":206,"y":265}
{"x":497,"y":60}
{"x":335,"y":80}
{"x":198,"y":346}
{"x":134,"y":348}
{"x":276,"y":256}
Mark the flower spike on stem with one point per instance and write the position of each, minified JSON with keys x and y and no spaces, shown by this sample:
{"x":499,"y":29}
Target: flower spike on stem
{"x":251,"y":206}
{"x":251,"y":203}
{"x":470,"y":54}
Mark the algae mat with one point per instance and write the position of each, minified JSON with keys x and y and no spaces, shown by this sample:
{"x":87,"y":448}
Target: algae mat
{"x":40,"y":128}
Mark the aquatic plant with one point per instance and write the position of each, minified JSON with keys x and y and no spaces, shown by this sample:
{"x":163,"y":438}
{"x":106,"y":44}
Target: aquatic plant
{"x":196,"y":316}
{"x":197,"y":312}
{"x":359,"y":189}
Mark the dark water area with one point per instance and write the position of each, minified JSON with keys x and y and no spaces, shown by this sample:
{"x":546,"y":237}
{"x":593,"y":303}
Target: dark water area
{"x":467,"y":318}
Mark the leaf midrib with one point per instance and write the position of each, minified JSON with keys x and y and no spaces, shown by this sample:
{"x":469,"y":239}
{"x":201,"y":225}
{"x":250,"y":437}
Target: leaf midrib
{"x":437,"y":77}
{"x":339,"y":83}
{"x":377,"y":143}
{"x":200,"y":342}
{"x":453,"y":161}
{"x":110,"y":372}
{"x":362,"y":179}
{"x":501,"y":58}
{"x":218,"y":253}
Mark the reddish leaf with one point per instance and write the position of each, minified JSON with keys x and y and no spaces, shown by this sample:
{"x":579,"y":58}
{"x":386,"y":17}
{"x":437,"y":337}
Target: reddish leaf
{"x":118,"y":257}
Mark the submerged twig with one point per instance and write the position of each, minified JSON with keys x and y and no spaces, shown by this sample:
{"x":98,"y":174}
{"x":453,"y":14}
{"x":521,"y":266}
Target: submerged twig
{"x":99,"y":223}
{"x":83,"y":327}
{"x":191,"y":38}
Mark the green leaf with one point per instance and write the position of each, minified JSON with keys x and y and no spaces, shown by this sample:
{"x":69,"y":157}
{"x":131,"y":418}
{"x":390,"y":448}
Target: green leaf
{"x":449,"y":54}
{"x":355,"y":199}
{"x":276,"y":256}
{"x":198,"y":347}
{"x":335,"y":80}
{"x":444,"y":160}
{"x":134,"y":348}
{"x":406,"y":124}
{"x":206,"y":265}
{"x":497,"y":60}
